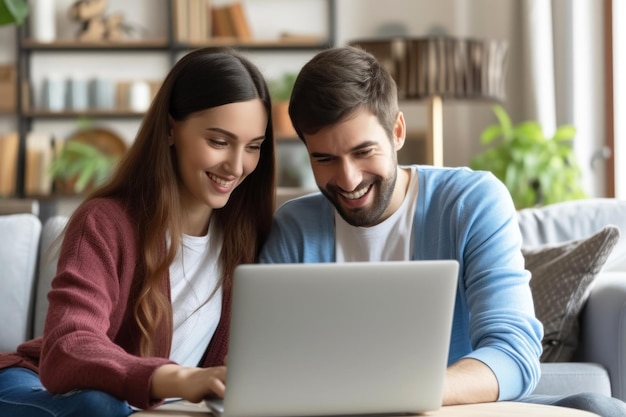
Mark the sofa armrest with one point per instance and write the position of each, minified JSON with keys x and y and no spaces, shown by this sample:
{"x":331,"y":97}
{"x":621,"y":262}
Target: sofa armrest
{"x":603,"y":328}
{"x":567,"y":378}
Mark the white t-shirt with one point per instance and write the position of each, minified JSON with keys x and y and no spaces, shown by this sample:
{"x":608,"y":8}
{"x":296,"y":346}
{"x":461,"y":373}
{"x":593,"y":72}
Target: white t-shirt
{"x":194,"y":275}
{"x":391,"y":240}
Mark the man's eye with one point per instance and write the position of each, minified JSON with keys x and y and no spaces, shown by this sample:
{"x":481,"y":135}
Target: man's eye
{"x":364,"y":152}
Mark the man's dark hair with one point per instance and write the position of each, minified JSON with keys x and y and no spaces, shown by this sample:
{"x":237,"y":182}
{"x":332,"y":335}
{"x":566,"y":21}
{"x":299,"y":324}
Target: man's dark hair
{"x":337,"y":82}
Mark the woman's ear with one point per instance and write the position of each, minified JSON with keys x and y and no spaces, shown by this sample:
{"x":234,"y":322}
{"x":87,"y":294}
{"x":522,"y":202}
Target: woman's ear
{"x":399,"y":132}
{"x":170,"y":130}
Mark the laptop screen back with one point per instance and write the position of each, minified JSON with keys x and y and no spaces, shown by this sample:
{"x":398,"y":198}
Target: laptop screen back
{"x":339,"y":338}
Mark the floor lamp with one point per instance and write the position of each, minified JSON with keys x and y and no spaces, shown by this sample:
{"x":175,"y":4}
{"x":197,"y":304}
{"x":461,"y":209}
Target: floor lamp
{"x":441,"y":68}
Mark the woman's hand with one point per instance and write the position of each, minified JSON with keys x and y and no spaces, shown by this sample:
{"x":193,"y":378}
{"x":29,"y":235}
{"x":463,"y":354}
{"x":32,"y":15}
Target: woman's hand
{"x":191,"y":384}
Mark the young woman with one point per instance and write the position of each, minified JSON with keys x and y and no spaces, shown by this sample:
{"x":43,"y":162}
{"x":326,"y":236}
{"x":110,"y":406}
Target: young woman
{"x":139,"y":308}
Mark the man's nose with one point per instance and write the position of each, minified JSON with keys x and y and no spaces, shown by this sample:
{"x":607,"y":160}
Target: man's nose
{"x":349,"y":176}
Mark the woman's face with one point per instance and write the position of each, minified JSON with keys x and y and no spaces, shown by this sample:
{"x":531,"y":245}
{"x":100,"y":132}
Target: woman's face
{"x":216,"y":149}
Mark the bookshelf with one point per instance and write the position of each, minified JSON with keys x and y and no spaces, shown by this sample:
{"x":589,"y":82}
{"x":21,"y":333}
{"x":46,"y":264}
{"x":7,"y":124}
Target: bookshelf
{"x":171,"y":46}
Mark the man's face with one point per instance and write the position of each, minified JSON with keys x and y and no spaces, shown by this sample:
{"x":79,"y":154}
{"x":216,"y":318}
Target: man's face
{"x":355,"y":166}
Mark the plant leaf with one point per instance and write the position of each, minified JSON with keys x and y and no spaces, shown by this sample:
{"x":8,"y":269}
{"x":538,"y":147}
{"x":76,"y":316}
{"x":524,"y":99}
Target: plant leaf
{"x":564,"y":133}
{"x":490,"y":134}
{"x":13,"y":11}
{"x":535,"y":169}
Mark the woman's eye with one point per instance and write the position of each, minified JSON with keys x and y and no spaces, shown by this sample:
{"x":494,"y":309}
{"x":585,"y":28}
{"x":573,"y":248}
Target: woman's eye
{"x":323,"y":160}
{"x":218,"y":142}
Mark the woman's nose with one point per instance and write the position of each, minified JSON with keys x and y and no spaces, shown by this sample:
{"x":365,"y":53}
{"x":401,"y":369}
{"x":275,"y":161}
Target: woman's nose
{"x":234,"y":162}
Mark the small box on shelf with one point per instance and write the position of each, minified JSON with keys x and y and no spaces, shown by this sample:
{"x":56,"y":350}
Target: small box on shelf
{"x":8,"y":163}
{"x":8,"y":88}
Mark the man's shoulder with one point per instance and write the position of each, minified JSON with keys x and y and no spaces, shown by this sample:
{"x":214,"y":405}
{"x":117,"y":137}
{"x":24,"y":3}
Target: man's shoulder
{"x":462,"y":188}
{"x":314,"y":201}
{"x":461,"y":173}
{"x":457,"y":179}
{"x":308,"y":211}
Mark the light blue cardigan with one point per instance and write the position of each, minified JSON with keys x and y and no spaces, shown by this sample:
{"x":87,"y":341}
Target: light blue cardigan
{"x":464,"y":215}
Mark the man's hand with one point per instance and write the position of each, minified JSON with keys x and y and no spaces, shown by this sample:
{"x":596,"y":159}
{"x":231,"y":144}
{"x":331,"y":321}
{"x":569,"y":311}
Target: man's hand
{"x":469,"y":381}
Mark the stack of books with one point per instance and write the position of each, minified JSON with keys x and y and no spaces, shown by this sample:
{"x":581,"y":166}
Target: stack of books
{"x":442,"y":66}
{"x":198,"y":21}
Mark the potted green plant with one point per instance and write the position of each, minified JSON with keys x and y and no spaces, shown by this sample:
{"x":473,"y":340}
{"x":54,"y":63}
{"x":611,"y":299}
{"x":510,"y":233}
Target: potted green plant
{"x":280,"y":87}
{"x":87,"y":159}
{"x":13,"y":12}
{"x":537,"y":170}
{"x":280,"y":92}
{"x":82,"y":165}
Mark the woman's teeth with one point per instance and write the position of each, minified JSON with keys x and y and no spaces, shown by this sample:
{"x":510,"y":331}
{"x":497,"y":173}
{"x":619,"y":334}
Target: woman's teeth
{"x":220,"y":181}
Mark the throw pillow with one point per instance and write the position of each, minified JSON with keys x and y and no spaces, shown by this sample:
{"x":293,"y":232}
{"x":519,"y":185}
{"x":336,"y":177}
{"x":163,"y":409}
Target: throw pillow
{"x":561,"y":277}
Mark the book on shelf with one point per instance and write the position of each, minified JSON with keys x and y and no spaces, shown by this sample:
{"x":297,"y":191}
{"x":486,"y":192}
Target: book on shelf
{"x":9,"y":143}
{"x":199,"y":24}
{"x":180,"y":18}
{"x":191,"y":22}
{"x":39,"y":156}
{"x":221,"y":22}
{"x":230,"y":21}
{"x":239,"y":22}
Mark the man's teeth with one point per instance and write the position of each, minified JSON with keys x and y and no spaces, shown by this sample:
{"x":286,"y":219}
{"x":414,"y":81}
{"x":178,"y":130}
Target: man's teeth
{"x":355,"y":194}
{"x":220,"y":181}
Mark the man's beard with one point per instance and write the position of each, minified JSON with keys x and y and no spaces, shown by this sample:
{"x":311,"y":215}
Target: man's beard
{"x":365,"y":216}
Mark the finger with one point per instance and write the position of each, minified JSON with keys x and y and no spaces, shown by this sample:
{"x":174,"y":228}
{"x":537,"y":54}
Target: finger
{"x":217,"y":387}
{"x":220,"y":372}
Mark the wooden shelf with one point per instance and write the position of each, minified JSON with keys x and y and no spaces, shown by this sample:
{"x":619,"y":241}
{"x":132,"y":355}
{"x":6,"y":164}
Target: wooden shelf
{"x":69,"y":44}
{"x":27,"y":114}
{"x":267,"y":44}
{"x":98,"y":114}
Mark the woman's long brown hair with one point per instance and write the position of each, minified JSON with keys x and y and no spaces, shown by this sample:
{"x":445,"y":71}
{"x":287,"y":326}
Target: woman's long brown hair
{"x":146,"y":179}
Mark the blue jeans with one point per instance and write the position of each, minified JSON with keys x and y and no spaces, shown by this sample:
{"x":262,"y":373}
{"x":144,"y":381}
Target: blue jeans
{"x":21,"y":394}
{"x":599,"y":404}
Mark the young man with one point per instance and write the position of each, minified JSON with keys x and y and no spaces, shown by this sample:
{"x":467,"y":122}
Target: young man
{"x":344,"y":108}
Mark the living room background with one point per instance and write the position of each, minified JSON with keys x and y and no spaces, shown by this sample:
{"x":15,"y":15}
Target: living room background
{"x":355,"y":19}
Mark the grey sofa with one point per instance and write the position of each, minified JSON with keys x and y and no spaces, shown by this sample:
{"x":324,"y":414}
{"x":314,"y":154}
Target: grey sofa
{"x":27,"y":267}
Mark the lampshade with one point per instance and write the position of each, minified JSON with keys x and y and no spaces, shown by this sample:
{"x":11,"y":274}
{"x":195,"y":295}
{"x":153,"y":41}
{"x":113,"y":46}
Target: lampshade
{"x":437,"y":68}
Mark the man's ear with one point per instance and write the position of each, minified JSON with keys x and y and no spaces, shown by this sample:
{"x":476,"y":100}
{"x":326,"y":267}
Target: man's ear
{"x":399,"y":132}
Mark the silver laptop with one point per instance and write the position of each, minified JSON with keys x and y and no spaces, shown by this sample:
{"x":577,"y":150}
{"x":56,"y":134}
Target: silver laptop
{"x":338,"y":338}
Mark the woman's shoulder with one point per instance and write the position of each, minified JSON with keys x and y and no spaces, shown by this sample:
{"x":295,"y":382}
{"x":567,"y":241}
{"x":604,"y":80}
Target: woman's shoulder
{"x":104,"y":215}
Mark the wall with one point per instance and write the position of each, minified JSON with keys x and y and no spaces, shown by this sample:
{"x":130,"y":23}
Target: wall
{"x":619,"y":78}
{"x":463,"y":120}
{"x":355,"y":19}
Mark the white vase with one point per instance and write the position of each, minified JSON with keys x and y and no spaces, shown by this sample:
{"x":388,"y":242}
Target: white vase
{"x":139,"y":97}
{"x":43,"y":20}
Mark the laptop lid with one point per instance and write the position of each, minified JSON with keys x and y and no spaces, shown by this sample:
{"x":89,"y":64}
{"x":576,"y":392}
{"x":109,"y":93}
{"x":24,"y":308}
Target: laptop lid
{"x":339,"y":338}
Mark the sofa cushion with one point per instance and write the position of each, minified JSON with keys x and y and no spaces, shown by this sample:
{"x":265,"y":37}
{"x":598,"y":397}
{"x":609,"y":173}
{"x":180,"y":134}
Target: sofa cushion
{"x":576,"y":219}
{"x":561,"y":276}
{"x":48,"y":257}
{"x":18,"y":260}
